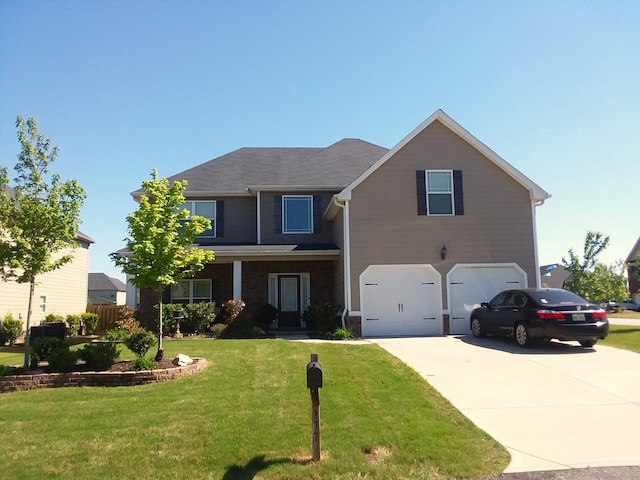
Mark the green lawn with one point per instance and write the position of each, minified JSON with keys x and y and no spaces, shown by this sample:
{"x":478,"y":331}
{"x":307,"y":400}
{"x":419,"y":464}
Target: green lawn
{"x":247,"y":416}
{"x":623,"y":336}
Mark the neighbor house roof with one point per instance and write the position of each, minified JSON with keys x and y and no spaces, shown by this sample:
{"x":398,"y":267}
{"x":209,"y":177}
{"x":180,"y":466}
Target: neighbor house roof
{"x":537,"y":194}
{"x":258,"y":169}
{"x":634,"y":254}
{"x":101,"y":281}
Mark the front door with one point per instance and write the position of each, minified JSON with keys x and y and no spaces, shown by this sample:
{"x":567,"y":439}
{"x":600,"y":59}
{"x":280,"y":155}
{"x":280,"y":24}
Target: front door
{"x":289,"y":301}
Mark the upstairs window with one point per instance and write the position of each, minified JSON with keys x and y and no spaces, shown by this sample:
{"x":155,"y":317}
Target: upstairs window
{"x":205,"y":209}
{"x":440,"y":192}
{"x":297,"y":214}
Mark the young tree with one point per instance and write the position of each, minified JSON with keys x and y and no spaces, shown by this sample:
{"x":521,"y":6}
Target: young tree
{"x":39,"y":217}
{"x":161,"y":234}
{"x":591,"y":279}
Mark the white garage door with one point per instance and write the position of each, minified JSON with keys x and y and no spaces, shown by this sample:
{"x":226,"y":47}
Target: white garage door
{"x":468,"y":285}
{"x":401,"y":300}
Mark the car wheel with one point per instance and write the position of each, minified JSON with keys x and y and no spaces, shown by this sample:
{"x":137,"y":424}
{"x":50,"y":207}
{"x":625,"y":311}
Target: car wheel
{"x":588,"y":343}
{"x":521,"y":333}
{"x":476,"y":328}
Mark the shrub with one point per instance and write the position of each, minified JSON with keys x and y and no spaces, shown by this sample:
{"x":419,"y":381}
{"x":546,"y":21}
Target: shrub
{"x":198,"y":317}
{"x":217,"y":329}
{"x":116,"y":335}
{"x":62,"y":359}
{"x":10,"y":329}
{"x":73,"y":324}
{"x":231,"y":309}
{"x":169,"y":312}
{"x":90,"y":322}
{"x":53,"y":317}
{"x":343,"y":333}
{"x":142,"y":363}
{"x":42,"y":347}
{"x":323,"y":316}
{"x":5,"y":370}
{"x":140,"y":342}
{"x":100,"y":356}
{"x":127,"y":320}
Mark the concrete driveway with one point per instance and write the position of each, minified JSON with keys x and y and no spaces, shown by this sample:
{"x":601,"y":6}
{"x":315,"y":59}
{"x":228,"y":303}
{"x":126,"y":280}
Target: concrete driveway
{"x":557,"y":406}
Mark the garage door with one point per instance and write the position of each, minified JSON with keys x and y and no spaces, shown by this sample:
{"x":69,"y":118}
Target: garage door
{"x":468,"y":285}
{"x":401,"y":300}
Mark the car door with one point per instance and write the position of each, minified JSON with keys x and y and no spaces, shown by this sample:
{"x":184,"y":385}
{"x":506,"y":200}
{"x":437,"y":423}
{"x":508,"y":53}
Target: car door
{"x":493,"y":314}
{"x":512,"y":312}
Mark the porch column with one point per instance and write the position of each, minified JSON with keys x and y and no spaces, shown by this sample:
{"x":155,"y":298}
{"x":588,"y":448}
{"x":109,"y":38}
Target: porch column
{"x":237,"y":279}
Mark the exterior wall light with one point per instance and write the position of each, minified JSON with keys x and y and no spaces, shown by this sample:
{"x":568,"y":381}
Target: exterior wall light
{"x":443,"y":252}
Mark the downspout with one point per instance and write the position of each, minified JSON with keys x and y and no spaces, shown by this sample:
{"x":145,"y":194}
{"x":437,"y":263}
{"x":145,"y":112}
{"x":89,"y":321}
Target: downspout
{"x":345,"y":258}
{"x":535,"y":241}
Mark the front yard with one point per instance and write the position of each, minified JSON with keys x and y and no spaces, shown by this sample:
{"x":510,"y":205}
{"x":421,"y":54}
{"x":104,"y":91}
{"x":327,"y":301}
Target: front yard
{"x":247,"y":416}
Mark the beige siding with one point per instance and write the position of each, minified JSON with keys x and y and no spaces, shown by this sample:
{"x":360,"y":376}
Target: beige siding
{"x":497,"y":224}
{"x":65,"y":290}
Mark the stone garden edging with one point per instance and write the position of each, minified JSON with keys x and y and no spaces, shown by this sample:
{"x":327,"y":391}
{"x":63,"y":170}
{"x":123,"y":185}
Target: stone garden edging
{"x":15,"y":383}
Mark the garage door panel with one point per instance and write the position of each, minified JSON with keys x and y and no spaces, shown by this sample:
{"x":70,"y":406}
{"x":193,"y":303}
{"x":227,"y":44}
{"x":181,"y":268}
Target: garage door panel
{"x":401,"y":300}
{"x":471,"y":285}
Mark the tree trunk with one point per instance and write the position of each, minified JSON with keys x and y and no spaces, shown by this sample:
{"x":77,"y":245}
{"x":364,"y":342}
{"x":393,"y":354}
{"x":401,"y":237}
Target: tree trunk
{"x":27,"y":335}
{"x":160,"y":353}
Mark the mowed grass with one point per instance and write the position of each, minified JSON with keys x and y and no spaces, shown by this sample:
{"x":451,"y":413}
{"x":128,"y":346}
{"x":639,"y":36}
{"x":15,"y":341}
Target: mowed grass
{"x":623,"y":336}
{"x":248,"y":416}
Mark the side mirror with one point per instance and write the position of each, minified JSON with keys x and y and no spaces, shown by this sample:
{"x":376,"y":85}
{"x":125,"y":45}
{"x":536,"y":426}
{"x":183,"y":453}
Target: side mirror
{"x":485,"y":304}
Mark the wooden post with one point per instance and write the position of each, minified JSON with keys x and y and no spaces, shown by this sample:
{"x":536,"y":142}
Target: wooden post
{"x":315,"y":419}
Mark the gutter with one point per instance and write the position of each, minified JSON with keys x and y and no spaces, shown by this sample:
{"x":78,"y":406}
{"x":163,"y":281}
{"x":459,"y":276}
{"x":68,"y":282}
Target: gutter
{"x":347,"y":261}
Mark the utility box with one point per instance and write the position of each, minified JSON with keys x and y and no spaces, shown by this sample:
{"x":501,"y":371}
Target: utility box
{"x":314,"y":375}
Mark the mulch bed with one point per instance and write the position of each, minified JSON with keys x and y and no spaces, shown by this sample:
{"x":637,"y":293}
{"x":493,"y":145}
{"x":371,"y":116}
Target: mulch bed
{"x":123,"y":366}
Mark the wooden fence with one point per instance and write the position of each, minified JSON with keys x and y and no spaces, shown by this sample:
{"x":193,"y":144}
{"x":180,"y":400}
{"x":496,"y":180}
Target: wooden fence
{"x":108,"y":314}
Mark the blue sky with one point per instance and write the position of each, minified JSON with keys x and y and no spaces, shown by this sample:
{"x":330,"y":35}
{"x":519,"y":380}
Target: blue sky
{"x":123,"y":87}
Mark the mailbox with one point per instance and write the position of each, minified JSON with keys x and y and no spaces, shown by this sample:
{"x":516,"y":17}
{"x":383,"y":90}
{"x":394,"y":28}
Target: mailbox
{"x":314,"y":375}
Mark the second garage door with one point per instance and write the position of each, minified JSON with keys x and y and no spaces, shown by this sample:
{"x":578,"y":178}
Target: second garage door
{"x":401,"y":300}
{"x":468,"y":285}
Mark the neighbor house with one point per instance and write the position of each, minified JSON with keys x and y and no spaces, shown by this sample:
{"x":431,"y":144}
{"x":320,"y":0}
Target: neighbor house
{"x":62,"y":291}
{"x":553,"y":276}
{"x":633,"y":271}
{"x":407,"y":241}
{"x":106,"y":290}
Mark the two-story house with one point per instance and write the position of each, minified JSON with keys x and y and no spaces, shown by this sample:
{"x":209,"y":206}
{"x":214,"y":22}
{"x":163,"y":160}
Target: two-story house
{"x":406,"y":240}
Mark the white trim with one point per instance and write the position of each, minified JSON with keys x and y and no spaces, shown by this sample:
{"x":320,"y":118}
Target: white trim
{"x":536,"y":260}
{"x":284,"y":214}
{"x":295,"y":188}
{"x":451,"y":193}
{"x":537,"y":194}
{"x":305,"y":286}
{"x":237,"y":279}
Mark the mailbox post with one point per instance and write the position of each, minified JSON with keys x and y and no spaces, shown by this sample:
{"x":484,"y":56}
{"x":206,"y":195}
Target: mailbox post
{"x":314,"y":382}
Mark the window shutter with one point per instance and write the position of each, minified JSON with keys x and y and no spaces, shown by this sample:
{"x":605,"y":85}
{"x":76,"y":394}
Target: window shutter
{"x":219,"y":219}
{"x":422,"y":192}
{"x":457,"y":192}
{"x":317,"y":214}
{"x":166,"y":295}
{"x":277,"y":214}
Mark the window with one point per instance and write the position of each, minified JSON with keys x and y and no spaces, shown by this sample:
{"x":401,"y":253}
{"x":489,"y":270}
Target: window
{"x":207,"y":209}
{"x":297,"y":214}
{"x":439,"y":192}
{"x":191,"y":291}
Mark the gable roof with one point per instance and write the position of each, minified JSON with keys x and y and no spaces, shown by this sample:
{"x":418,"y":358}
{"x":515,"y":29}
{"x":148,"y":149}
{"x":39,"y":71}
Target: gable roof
{"x":257,"y":169}
{"x":537,"y":194}
{"x":634,"y":254}
{"x":101,"y":281}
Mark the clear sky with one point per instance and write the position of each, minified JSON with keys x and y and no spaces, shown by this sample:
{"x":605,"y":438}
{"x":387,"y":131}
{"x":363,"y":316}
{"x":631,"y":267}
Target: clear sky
{"x":126,"y":86}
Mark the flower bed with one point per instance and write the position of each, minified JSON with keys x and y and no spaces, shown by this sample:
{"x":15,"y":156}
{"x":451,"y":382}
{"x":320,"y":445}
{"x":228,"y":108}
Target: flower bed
{"x":30,"y":381}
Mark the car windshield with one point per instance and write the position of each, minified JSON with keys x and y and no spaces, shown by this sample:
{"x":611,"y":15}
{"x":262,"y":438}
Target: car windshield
{"x":557,"y":297}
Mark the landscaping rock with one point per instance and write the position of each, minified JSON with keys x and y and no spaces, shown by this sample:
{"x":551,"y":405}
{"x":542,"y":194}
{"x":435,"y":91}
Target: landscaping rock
{"x":181,"y":360}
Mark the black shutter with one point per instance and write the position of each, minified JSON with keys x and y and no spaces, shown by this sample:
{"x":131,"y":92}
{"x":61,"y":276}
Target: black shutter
{"x":277,"y":214}
{"x":317,"y":214}
{"x":457,"y":192}
{"x":219,"y":219}
{"x":166,"y":295}
{"x":422,"y":192}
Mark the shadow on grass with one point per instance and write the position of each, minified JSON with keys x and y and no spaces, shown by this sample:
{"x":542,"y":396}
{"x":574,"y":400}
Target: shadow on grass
{"x":251,"y":468}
